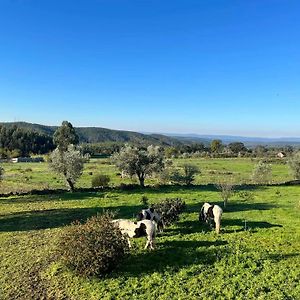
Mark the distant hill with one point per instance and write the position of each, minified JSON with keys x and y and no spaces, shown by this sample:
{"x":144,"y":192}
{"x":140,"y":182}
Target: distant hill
{"x":248,"y":141}
{"x":98,"y":134}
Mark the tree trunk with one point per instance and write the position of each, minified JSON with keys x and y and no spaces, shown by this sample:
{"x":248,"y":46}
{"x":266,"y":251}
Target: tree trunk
{"x":71,"y":185}
{"x":142,"y":181}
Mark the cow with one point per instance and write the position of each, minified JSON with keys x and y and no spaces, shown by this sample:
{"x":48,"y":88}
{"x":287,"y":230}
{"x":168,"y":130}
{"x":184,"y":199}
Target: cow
{"x":152,"y":215}
{"x":132,"y":229}
{"x":209,"y":213}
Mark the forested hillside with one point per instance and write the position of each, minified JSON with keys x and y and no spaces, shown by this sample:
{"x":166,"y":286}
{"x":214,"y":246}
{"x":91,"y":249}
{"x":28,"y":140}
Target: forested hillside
{"x":98,"y":134}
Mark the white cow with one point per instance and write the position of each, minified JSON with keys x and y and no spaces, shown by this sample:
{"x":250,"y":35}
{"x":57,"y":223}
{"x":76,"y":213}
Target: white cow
{"x":132,"y":229}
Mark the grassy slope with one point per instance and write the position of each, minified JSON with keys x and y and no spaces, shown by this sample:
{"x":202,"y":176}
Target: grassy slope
{"x":190,"y":261}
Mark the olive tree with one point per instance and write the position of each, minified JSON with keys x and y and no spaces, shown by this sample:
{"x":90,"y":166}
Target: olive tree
{"x":139,"y":162}
{"x":294,"y":165}
{"x":262,"y":173}
{"x":69,"y":164}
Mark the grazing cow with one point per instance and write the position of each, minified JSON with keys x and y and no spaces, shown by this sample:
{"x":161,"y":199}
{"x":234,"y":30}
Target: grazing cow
{"x":152,"y":215}
{"x":132,"y":229}
{"x":210,"y":212}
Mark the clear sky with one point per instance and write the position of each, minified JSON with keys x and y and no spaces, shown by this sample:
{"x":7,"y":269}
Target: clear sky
{"x":203,"y":66}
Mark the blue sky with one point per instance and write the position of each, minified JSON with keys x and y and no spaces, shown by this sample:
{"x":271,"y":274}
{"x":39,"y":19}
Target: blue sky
{"x":207,"y":67}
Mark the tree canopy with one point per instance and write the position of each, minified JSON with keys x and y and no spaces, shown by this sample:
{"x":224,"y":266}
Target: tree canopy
{"x":140,"y":162}
{"x":65,"y":135}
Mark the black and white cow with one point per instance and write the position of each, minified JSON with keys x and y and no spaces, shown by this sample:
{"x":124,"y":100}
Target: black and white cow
{"x":209,"y":213}
{"x":152,"y":215}
{"x":132,"y":229}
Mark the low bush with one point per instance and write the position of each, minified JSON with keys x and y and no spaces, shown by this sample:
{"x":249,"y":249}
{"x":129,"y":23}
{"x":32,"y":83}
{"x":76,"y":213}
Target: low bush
{"x":100,"y":180}
{"x":93,"y":248}
{"x":170,"y":209}
{"x":188,"y":175}
{"x":144,"y":201}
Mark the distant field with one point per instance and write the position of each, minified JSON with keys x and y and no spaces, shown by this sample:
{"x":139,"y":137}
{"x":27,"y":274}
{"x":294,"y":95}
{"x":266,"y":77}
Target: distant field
{"x":261,"y":261}
{"x":27,"y":176}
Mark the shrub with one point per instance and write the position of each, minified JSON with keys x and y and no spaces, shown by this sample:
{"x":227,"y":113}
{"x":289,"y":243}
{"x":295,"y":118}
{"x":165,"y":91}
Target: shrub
{"x":188,"y":176}
{"x":144,"y":201}
{"x":100,"y":180}
{"x":246,"y":195}
{"x":93,"y":248}
{"x":170,"y":209}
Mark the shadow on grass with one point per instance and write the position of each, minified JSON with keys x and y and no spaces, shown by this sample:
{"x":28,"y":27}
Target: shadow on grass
{"x":51,"y":218}
{"x":187,"y":227}
{"x":242,"y":206}
{"x":67,"y":196}
{"x":172,"y":256}
{"x":253,"y":225}
{"x":165,"y":189}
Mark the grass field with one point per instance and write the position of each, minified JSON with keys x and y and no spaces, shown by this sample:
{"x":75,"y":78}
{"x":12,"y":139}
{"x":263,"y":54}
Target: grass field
{"x":28,"y":176}
{"x":259,"y":261}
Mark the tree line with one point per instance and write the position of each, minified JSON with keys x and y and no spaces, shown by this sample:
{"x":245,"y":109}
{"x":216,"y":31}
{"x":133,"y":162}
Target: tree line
{"x":16,"y":141}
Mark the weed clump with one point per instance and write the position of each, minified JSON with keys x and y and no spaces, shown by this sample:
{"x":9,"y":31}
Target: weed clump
{"x":94,"y":248}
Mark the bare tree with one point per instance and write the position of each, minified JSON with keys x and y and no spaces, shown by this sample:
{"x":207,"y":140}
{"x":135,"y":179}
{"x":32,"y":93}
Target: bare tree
{"x":226,"y":191}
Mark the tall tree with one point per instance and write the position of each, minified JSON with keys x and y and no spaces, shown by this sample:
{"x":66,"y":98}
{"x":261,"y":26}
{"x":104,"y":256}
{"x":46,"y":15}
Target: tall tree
{"x":65,"y":135}
{"x":216,"y":146}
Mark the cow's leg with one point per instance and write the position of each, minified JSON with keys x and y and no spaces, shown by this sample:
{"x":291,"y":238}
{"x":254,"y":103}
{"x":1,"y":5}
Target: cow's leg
{"x":148,"y":243}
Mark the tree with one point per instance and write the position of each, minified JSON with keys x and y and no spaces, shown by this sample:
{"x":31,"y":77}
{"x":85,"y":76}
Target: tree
{"x":1,"y":173}
{"x":216,"y":146}
{"x":69,"y":164}
{"x":226,"y":191}
{"x":262,"y":173}
{"x":294,"y":164}
{"x":139,"y":162}
{"x":237,"y":147}
{"x":64,"y":136}
{"x":260,"y":150}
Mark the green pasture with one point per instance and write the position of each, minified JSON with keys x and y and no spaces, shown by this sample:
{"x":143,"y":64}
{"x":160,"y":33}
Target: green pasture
{"x":256,"y":256}
{"x":28,"y":176}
